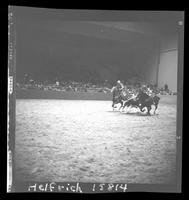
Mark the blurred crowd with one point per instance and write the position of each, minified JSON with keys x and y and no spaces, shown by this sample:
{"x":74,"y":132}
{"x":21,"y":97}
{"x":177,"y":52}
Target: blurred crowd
{"x":65,"y":86}
{"x":76,"y":86}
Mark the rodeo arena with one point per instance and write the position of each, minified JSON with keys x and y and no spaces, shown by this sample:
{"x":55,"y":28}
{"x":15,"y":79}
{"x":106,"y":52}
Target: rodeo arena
{"x":135,"y":95}
{"x":96,"y":101}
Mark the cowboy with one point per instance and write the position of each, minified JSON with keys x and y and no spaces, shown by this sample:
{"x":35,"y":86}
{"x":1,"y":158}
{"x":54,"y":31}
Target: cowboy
{"x":119,"y":86}
{"x":116,"y":90}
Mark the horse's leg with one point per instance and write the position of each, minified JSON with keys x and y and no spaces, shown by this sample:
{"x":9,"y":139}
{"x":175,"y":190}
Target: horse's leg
{"x":121,"y":105}
{"x":141,"y":108}
{"x":156,"y":105}
{"x":122,"y":108}
{"x":113,"y":105}
{"x":149,"y":108}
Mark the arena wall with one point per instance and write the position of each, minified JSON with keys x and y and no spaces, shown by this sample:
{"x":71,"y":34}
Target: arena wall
{"x":168,"y":64}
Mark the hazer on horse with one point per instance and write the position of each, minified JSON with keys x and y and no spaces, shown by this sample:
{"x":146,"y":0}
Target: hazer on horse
{"x":146,"y":100}
{"x":143,"y":100}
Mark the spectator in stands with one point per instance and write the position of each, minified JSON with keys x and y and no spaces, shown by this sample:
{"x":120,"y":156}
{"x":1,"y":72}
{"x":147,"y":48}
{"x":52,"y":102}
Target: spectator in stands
{"x":166,"y":87}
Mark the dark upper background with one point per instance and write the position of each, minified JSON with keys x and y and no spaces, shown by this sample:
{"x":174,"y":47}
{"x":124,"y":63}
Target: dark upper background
{"x":74,"y":45}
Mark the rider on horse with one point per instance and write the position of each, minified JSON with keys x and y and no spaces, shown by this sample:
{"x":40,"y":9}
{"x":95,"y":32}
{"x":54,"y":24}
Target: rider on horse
{"x":146,"y":98}
{"x":119,"y":86}
{"x":117,"y":90}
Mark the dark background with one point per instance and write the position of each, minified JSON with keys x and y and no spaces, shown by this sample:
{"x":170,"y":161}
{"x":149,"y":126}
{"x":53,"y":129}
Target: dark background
{"x":96,"y":45}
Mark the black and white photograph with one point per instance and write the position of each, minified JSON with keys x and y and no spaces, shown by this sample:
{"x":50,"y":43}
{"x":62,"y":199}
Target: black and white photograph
{"x":95,"y":97}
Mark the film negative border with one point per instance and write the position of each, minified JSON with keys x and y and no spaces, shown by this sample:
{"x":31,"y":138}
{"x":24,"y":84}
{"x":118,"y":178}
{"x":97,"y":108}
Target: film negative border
{"x":11,"y":96}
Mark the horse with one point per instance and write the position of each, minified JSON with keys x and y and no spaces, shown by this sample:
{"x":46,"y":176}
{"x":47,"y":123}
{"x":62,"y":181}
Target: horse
{"x":141,"y":101}
{"x":153,"y":100}
{"x":117,"y":100}
{"x":132,"y":102}
{"x":148,"y":102}
{"x":130,"y":99}
{"x":118,"y":97}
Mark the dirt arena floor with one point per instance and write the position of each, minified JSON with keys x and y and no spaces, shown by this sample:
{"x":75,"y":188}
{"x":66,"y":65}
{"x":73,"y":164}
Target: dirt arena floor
{"x":85,"y":141}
